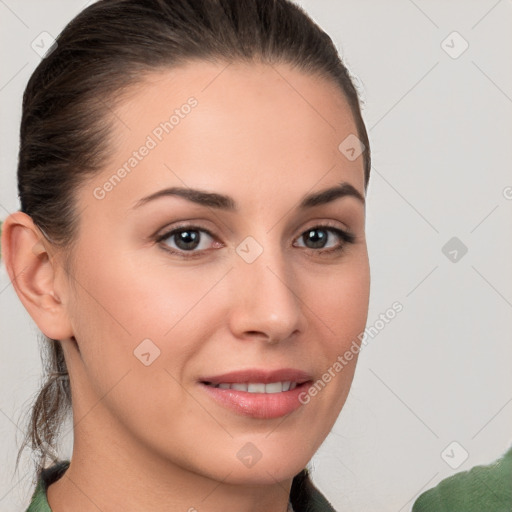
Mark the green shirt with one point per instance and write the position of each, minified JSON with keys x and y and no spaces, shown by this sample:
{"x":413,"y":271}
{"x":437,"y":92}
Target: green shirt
{"x":302,"y":489}
{"x":481,"y":489}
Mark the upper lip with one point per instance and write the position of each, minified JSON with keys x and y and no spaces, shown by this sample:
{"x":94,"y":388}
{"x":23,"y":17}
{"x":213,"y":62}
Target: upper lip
{"x":260,"y":376}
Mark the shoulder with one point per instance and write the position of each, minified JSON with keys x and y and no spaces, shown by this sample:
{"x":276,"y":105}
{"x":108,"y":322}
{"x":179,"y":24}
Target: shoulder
{"x":481,"y":488}
{"x":39,"y":501}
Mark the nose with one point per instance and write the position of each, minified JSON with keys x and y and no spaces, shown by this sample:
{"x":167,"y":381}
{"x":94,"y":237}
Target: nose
{"x":265,"y":299}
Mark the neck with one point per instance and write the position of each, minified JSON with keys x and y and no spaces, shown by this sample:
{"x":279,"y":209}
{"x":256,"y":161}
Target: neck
{"x":109,"y":472}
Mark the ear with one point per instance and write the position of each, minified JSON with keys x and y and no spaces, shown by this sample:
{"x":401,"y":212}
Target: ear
{"x":35,"y":274}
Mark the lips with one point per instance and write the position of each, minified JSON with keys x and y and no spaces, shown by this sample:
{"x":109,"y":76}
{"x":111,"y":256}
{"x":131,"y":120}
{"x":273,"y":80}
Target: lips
{"x":258,"y":393}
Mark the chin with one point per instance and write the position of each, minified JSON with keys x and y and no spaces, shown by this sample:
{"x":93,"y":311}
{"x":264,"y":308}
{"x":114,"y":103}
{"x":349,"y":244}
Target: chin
{"x":262,"y":474}
{"x":266,"y":465}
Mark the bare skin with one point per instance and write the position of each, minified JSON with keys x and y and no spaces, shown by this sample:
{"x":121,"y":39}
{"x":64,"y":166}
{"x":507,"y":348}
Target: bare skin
{"x":148,"y":437}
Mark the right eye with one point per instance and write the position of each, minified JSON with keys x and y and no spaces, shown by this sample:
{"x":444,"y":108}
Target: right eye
{"x":186,"y":239}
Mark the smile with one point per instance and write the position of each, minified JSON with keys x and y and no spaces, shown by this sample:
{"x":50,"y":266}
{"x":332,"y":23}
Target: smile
{"x":257,"y":392}
{"x":256,"y":387}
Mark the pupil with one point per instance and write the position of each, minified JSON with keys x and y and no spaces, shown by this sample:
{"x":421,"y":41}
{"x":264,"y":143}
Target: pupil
{"x":317,"y":240}
{"x":188,"y":239}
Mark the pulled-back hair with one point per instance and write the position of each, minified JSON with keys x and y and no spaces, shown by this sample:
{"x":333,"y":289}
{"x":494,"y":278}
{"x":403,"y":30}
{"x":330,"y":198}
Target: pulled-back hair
{"x":67,"y":117}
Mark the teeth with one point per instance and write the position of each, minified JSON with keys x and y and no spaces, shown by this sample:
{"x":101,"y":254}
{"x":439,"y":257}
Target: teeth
{"x":274,"y":387}
{"x":256,"y":388}
{"x":259,"y":387}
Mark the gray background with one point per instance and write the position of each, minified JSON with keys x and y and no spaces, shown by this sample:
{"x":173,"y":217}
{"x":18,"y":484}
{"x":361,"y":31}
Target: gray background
{"x":441,"y":135}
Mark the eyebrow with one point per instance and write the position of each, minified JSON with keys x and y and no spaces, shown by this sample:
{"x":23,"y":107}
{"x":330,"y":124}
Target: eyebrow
{"x":223,"y":202}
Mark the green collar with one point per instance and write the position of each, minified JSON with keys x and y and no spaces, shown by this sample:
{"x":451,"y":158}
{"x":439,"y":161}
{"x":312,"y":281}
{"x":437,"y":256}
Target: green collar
{"x":39,"y":502}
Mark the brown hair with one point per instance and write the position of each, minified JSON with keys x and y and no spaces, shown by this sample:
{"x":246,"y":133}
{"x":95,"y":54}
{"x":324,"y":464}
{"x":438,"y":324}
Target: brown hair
{"x":68,"y":101}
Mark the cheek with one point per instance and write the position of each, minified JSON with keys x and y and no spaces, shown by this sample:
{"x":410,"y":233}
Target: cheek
{"x":139,"y":298}
{"x":124,"y":302}
{"x":341,"y":311}
{"x":341,"y":303}
{"x":116,"y":311}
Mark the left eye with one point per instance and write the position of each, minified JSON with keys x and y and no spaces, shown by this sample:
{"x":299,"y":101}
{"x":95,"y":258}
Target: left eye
{"x":320,"y":234}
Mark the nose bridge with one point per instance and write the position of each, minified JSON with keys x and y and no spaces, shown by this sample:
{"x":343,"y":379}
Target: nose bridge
{"x":265,"y":299}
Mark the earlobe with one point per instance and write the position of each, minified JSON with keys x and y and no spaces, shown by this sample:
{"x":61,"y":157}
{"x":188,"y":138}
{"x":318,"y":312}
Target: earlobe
{"x":33,"y":273}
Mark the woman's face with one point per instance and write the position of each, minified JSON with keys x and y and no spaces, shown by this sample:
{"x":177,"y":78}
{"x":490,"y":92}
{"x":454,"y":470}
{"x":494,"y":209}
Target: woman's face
{"x":259,"y":279}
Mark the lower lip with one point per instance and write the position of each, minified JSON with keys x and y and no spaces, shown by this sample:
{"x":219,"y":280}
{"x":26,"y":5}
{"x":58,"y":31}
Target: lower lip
{"x":258,"y":405}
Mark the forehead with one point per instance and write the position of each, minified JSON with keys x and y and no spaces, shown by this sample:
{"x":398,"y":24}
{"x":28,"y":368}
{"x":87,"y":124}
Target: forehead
{"x":220,"y":125}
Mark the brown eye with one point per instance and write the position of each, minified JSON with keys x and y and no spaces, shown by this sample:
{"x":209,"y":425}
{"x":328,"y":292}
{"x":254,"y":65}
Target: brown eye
{"x":318,"y":237}
{"x":186,"y":239}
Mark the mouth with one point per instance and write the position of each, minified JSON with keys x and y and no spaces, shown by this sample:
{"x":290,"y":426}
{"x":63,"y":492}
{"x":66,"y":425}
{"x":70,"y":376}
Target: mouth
{"x":256,"y":387}
{"x":258,"y":393}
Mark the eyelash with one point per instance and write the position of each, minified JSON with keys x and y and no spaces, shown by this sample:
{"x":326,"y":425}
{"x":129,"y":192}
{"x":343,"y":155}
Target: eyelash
{"x":345,"y":236}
